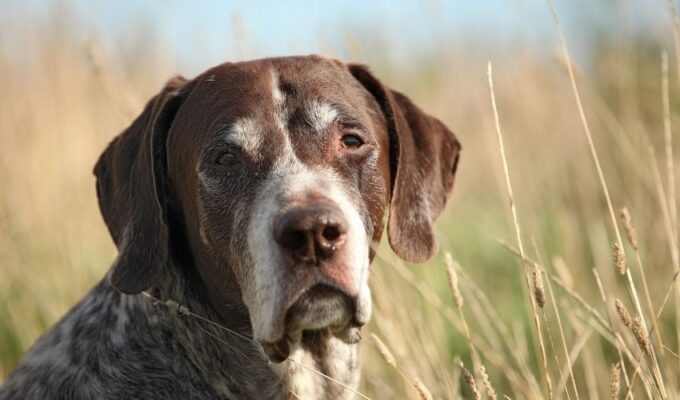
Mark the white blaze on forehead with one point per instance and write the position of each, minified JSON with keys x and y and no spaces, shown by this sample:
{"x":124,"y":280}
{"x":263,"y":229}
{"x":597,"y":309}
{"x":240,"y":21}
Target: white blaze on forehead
{"x":279,"y":99}
{"x":277,"y":94}
{"x":320,"y":115}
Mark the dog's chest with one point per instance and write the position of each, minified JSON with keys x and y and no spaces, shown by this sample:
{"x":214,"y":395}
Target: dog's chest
{"x":325,"y":371}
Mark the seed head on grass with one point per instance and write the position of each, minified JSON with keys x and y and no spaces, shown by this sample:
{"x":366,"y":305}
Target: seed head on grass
{"x":422,"y":389}
{"x":470,"y":381}
{"x":641,"y":336}
{"x":619,"y":259}
{"x":635,"y":326}
{"x":615,"y":381}
{"x":453,"y":280}
{"x":539,"y":292}
{"x":623,"y":313}
{"x":631,"y":233}
{"x":384,"y":351}
{"x":486,"y":382}
{"x":387,"y":355}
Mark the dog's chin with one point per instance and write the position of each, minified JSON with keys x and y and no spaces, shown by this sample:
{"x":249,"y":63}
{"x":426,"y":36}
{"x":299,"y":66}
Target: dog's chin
{"x":321,"y":310}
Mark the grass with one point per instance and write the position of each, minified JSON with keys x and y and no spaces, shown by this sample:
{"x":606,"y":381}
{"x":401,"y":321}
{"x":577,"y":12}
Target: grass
{"x":548,"y":291}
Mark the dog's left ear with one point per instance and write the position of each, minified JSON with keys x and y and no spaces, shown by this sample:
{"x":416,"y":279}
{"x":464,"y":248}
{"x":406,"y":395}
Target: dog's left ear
{"x":131,"y":179}
{"x":423,"y":159}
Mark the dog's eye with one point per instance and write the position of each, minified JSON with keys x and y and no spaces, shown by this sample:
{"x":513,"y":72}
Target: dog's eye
{"x":351,"y":141}
{"x":226,"y":159}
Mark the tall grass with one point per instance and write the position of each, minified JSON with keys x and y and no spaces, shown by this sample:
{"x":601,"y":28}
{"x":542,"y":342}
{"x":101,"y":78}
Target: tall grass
{"x":532,"y":301}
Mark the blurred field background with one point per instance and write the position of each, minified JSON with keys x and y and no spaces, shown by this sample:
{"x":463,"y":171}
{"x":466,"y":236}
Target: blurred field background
{"x":70,"y":83}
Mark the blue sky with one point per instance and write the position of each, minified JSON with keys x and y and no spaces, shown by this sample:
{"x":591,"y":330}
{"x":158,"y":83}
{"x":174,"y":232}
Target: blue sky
{"x":202,"y":33}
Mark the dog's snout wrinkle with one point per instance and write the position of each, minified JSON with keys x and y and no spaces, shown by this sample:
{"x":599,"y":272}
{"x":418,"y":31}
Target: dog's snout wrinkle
{"x":311,"y":234}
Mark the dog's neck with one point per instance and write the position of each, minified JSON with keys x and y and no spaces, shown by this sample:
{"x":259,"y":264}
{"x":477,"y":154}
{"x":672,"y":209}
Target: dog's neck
{"x":224,"y":349}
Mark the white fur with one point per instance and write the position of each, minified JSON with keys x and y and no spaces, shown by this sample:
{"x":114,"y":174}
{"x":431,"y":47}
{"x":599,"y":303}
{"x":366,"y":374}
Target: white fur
{"x":279,"y":99}
{"x":246,"y":133}
{"x":357,"y":243}
{"x":320,"y":115}
{"x":304,"y":383}
{"x":290,"y":177}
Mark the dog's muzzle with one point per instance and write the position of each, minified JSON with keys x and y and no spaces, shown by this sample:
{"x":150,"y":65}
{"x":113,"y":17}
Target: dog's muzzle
{"x":319,"y":251}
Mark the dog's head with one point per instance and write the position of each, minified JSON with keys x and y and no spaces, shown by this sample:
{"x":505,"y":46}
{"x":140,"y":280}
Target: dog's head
{"x":271,"y":179}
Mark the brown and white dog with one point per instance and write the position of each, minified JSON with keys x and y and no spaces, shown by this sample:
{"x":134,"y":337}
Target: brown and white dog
{"x":253,"y":195}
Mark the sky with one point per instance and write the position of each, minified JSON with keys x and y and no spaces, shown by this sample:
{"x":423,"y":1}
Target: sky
{"x":203,"y":33}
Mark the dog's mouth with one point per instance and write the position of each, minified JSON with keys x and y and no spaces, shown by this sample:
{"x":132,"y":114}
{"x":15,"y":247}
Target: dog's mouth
{"x":321,"y":309}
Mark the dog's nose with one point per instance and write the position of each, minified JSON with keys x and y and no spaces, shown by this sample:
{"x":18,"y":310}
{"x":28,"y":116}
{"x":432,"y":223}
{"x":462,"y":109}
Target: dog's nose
{"x":311,"y":234}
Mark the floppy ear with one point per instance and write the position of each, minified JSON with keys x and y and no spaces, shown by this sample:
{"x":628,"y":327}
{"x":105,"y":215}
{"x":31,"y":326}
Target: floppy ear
{"x":423,"y":159}
{"x":131,"y":191}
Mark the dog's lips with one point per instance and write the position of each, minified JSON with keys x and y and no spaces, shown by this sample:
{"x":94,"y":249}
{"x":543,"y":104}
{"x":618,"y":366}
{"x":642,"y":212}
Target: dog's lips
{"x":319,"y":307}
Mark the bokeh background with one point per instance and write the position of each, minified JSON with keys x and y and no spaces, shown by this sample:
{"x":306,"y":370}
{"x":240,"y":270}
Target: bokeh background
{"x":73,"y":74}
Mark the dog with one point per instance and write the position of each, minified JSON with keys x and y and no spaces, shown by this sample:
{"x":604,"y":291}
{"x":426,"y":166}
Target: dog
{"x":246,"y":205}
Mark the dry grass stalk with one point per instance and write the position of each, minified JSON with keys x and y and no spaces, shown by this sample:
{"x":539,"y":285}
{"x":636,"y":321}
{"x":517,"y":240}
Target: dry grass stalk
{"x":491,"y":321}
{"x":641,"y":331}
{"x":453,"y":280}
{"x":615,"y":381}
{"x":384,"y":351}
{"x":491,"y":353}
{"x":486,"y":382}
{"x":631,"y":233}
{"x":631,"y":288}
{"x":619,"y":258}
{"x":563,"y":271}
{"x":672,"y":209}
{"x":518,"y":233}
{"x":422,"y":390}
{"x":458,"y":299}
{"x":675,"y":257}
{"x":389,"y":358}
{"x":670,"y":166}
{"x":588,"y":360}
{"x":668,"y":142}
{"x":676,"y":33}
{"x":540,"y":295}
{"x":584,"y":122}
{"x":470,"y":381}
{"x":619,"y":343}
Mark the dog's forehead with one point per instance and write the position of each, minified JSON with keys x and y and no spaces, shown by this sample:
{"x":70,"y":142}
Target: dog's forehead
{"x":306,"y":76}
{"x":270,"y":107}
{"x":280,"y":92}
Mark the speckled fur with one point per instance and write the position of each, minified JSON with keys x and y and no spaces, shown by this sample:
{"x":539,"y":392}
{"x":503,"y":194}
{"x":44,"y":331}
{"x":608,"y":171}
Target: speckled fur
{"x":116,"y":346}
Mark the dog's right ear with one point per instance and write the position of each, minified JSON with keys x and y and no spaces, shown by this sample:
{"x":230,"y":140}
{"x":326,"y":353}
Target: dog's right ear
{"x":131,"y":191}
{"x":424,"y":156}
